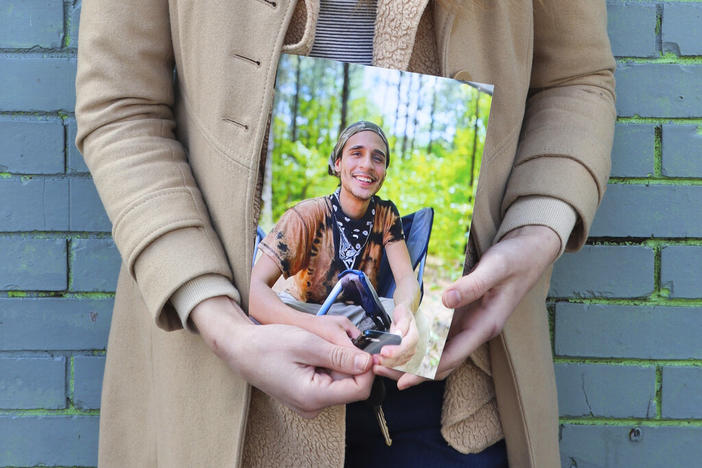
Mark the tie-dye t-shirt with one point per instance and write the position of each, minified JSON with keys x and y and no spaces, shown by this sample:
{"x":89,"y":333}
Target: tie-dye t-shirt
{"x":302,"y":244}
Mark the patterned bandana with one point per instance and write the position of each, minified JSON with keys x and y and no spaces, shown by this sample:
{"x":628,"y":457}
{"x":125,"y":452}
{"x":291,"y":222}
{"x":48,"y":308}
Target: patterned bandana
{"x":353,"y":233}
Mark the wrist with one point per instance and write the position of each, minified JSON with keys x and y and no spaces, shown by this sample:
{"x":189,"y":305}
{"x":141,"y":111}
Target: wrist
{"x":545,"y":239}
{"x":219,"y":319}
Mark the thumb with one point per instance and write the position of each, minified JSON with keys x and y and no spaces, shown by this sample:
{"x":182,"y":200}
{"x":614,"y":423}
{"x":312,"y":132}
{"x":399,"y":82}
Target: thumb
{"x":487,"y":274}
{"x":344,"y":359}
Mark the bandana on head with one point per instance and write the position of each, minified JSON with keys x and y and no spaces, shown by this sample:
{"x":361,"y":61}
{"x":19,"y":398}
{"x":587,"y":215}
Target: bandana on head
{"x":348,"y":132}
{"x":353,"y":233}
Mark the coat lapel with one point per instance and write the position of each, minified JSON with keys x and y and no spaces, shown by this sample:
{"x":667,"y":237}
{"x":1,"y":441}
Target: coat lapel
{"x":300,"y":34}
{"x":395,"y":30}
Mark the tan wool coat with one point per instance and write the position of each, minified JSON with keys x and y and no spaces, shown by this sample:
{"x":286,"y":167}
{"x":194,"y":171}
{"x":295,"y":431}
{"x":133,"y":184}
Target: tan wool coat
{"x":177,"y":159}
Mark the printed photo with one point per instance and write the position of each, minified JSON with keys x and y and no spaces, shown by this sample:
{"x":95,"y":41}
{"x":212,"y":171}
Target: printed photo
{"x":368,"y":195}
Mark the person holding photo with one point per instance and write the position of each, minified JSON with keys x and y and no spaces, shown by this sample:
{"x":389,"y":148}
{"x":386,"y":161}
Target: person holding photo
{"x":173,"y":101}
{"x":319,"y":238}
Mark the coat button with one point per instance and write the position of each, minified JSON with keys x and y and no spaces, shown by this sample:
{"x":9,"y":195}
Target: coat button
{"x":462,"y":75}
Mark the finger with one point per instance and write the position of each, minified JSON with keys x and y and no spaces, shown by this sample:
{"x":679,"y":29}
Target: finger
{"x":477,"y":330}
{"x":387,"y":372}
{"x":345,"y":390}
{"x":407,"y":345}
{"x":401,"y":322}
{"x":344,"y":359}
{"x":489,"y":272}
{"x":350,"y":328}
{"x":323,"y":390}
{"x":409,"y":380}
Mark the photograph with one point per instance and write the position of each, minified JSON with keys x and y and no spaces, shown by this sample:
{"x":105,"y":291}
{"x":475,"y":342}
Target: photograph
{"x":430,"y":133}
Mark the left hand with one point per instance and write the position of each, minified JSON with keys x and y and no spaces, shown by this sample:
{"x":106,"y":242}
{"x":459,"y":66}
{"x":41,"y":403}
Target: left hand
{"x":486,"y":297}
{"x":404,"y":325}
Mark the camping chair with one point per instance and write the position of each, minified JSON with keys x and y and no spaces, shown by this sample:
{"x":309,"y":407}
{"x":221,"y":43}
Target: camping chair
{"x":417,"y":227}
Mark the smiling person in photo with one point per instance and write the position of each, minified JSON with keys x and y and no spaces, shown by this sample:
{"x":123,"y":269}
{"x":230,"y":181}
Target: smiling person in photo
{"x":319,"y":238}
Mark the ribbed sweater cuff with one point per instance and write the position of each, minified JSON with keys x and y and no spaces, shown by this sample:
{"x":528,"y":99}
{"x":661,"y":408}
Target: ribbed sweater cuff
{"x":542,"y":211}
{"x":197,"y":290}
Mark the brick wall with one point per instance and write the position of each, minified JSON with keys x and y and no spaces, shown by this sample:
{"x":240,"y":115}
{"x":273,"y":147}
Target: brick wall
{"x":57,"y":261}
{"x":625,"y":311}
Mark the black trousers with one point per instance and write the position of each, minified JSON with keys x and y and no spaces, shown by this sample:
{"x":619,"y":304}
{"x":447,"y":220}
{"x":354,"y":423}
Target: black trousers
{"x":414,"y":420}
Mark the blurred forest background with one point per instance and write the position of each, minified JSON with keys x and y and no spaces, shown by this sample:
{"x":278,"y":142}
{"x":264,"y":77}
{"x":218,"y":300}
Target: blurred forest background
{"x":435,"y":127}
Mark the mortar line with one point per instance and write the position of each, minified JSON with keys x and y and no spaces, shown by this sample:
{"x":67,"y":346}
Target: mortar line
{"x":662,"y":181}
{"x":551,"y":311}
{"x":650,"y":301}
{"x":659,"y":392}
{"x":54,"y":175}
{"x":658,"y":151}
{"x":62,"y":114}
{"x":47,"y":354}
{"x":623,"y":362}
{"x":71,"y":382}
{"x":40,"y":52}
{"x":658,"y":29}
{"x":65,"y":148}
{"x":599,"y":421}
{"x":637,"y":119}
{"x":657,"y":272}
{"x":645,"y":242}
{"x":57,"y":234}
{"x":58,"y":294}
{"x":665,"y":58}
{"x":48,"y":412}
{"x":64,"y":37}
{"x":69,"y":253}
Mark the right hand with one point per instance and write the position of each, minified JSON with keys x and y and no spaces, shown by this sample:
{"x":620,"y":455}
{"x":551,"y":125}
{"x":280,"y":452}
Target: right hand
{"x":302,"y":370}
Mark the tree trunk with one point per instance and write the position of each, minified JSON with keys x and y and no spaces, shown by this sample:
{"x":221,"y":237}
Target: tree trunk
{"x":267,"y":190}
{"x":475,"y":137}
{"x":404,"y":133}
{"x":344,"y":98}
{"x":417,"y":110}
{"x":431,"y":116}
{"x":396,"y":123}
{"x":296,"y":101}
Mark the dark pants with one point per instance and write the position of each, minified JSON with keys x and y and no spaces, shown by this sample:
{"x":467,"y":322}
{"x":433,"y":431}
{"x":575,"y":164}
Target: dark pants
{"x":414,"y":420}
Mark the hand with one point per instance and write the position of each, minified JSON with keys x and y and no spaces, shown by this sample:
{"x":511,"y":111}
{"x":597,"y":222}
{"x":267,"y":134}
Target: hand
{"x":487,"y":296}
{"x":286,"y":362}
{"x":404,"y":325}
{"x":333,"y":328}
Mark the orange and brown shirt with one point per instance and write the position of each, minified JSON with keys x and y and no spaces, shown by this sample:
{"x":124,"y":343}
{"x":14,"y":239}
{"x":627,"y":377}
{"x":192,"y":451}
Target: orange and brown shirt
{"x":303,"y":245}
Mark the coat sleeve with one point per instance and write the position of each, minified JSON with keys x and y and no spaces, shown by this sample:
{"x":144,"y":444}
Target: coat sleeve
{"x":568,"y":125}
{"x":124,"y":110}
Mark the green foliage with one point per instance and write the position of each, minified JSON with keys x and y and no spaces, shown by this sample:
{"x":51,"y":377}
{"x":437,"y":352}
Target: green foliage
{"x":432,"y":125}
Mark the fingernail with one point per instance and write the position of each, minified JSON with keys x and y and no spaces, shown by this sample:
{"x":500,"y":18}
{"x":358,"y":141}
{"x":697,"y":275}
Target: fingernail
{"x":361,"y":362}
{"x":452,"y":298}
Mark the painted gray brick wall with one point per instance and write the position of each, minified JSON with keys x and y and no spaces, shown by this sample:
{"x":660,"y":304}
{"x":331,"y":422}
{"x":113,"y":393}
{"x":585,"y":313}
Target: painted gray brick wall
{"x":22,"y":141}
{"x":603,"y":390}
{"x":628,"y":357}
{"x":626,"y":310}
{"x":632,"y":152}
{"x":31,"y":23}
{"x":682,"y":34}
{"x":682,"y":150}
{"x":33,"y":382}
{"x":88,"y":381}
